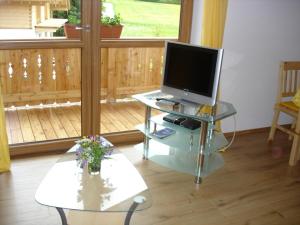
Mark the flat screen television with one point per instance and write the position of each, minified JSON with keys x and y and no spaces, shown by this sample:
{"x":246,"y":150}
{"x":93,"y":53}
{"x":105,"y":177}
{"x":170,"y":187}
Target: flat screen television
{"x":191,"y":72}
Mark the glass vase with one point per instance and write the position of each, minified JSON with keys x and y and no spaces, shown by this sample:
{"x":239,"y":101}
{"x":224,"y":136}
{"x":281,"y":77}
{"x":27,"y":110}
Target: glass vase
{"x":94,"y":168}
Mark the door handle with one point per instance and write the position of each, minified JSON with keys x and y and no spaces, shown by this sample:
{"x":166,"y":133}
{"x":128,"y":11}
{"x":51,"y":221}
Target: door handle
{"x":86,"y":28}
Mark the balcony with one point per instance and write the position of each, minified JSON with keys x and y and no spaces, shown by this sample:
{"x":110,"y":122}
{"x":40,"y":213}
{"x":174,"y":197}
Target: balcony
{"x":42,"y":90}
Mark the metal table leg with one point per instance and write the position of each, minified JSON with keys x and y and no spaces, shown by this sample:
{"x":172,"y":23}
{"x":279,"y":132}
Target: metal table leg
{"x":137,"y":200}
{"x":201,"y":156}
{"x":147,"y":128}
{"x":62,"y":216}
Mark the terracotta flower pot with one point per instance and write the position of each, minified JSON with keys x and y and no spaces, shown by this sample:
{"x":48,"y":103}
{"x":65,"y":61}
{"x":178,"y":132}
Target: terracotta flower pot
{"x":71,"y":32}
{"x":105,"y":31}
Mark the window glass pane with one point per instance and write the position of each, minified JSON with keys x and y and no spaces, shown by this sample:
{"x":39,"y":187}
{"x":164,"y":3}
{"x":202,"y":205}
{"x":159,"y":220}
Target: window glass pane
{"x":32,"y":19}
{"x":125,"y":72}
{"x":145,"y":18}
{"x":57,"y":19}
{"x":41,"y":91}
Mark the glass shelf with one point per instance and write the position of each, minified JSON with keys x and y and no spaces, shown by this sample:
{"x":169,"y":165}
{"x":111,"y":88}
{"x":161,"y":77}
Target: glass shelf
{"x":180,"y":160}
{"x":183,"y":138}
{"x":184,"y":108}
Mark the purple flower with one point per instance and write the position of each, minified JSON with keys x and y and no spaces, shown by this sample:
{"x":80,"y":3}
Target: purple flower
{"x":83,"y":163}
{"x":92,"y":149}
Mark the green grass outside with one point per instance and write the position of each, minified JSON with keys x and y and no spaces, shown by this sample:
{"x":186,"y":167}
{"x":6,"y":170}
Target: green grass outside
{"x":147,"y":19}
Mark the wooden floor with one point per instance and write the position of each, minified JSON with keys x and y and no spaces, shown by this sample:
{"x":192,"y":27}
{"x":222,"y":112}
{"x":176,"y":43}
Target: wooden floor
{"x":30,"y":125}
{"x":253,"y":188}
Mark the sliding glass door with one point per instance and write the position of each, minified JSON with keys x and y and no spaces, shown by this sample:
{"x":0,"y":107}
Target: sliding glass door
{"x":45,"y":71}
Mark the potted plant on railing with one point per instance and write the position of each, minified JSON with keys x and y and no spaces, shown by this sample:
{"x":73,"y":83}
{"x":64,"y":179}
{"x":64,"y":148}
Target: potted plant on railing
{"x":73,"y":21}
{"x":110,"y":27}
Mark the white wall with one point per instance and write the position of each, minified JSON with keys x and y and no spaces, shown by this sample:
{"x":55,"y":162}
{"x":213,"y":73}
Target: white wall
{"x":258,"y":35}
{"x":196,"y":22}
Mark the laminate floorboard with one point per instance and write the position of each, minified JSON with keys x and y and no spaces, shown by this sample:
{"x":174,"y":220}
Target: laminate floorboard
{"x":253,"y":188}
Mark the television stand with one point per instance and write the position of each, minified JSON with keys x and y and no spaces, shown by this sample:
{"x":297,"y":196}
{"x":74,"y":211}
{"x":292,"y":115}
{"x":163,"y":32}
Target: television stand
{"x":190,"y":151}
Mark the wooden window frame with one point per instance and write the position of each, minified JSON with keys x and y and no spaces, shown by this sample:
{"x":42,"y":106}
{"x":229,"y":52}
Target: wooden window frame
{"x":185,"y":27}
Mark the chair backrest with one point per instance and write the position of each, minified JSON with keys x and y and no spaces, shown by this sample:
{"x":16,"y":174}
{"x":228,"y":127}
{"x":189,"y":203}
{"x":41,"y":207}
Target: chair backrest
{"x":289,"y":81}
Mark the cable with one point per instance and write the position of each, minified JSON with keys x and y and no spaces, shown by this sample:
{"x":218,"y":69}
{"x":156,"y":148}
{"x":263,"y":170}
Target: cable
{"x":232,"y":139}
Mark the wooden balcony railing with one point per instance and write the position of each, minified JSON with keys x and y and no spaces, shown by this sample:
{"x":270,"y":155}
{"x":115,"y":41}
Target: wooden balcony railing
{"x":35,"y":76}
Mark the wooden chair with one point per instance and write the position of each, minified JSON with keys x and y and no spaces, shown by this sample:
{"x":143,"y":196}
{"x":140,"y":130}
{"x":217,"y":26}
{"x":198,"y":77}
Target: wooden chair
{"x":289,"y":83}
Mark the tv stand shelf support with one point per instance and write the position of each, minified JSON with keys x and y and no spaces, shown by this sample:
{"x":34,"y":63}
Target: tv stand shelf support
{"x":203,"y":153}
{"x":147,"y":126}
{"x":200,"y":159}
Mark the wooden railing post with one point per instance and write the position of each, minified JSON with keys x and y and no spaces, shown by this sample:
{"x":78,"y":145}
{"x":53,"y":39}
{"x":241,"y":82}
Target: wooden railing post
{"x":111,"y":76}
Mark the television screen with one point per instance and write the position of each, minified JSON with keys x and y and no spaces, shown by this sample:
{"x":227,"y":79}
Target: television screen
{"x":192,"y":72}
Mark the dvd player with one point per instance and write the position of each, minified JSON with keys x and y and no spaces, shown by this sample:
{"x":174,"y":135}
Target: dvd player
{"x":182,"y":121}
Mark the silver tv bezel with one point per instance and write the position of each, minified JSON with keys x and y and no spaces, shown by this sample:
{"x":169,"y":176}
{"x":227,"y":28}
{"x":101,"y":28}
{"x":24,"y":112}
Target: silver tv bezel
{"x":190,"y":96}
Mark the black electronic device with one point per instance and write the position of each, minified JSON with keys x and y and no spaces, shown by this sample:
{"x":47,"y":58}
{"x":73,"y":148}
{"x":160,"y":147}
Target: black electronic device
{"x":190,"y":124}
{"x":171,"y":118}
{"x":182,"y":121}
{"x":167,"y":100}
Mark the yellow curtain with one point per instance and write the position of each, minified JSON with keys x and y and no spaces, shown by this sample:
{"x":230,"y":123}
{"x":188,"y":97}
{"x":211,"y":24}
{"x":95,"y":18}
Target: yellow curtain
{"x":212,"y":29}
{"x":213,"y":22}
{"x":4,"y":151}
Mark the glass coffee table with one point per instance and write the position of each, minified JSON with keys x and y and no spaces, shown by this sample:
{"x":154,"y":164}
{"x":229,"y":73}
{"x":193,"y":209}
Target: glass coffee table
{"x":118,"y":188}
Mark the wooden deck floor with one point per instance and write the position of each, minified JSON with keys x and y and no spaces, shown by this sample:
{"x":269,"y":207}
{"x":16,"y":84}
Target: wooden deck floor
{"x":63,"y":122}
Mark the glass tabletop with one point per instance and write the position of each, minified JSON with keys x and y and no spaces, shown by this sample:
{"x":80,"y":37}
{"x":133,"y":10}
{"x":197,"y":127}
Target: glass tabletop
{"x":116,"y":188}
{"x":184,"y":108}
